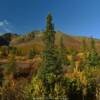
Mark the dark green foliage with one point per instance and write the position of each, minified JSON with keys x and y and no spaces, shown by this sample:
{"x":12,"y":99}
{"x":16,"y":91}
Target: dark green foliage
{"x":51,"y":58}
{"x":52,"y":63}
{"x":51,"y":72}
{"x":91,"y":90}
{"x":93,"y":57}
{"x":49,"y":34}
{"x":75,"y":90}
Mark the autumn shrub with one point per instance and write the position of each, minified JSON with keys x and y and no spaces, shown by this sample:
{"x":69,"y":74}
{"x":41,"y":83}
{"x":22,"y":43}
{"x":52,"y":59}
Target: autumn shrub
{"x":38,"y":90}
{"x":14,"y":91}
{"x":32,"y":53}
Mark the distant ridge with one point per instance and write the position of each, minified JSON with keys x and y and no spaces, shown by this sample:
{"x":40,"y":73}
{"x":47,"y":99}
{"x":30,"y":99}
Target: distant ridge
{"x":36,"y":38}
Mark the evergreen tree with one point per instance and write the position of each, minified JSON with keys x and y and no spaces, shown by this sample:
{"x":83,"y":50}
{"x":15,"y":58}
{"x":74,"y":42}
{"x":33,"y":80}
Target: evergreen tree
{"x":93,"y":58}
{"x":49,"y":34}
{"x":51,"y":70}
{"x":84,"y":46}
{"x":50,"y":55}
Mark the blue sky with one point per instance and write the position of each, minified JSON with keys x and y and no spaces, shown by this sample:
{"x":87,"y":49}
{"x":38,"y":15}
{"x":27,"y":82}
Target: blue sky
{"x":75,"y":17}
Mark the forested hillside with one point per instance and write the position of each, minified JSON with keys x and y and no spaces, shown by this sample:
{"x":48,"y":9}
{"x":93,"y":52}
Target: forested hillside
{"x":49,"y":65}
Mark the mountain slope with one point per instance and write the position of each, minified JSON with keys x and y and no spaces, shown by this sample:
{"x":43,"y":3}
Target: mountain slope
{"x":37,"y":41}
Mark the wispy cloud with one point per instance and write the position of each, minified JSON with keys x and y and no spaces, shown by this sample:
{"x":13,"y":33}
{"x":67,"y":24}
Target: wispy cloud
{"x":6,"y":26}
{"x":4,"y":22}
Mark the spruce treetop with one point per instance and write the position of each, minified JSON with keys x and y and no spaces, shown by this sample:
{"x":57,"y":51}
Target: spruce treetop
{"x":49,"y":24}
{"x":49,"y":34}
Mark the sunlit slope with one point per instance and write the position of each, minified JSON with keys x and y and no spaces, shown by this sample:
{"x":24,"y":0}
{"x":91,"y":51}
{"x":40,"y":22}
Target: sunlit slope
{"x":37,"y":42}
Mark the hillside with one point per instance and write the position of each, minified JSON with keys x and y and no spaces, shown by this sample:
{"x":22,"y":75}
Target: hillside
{"x":69,"y":41}
{"x":51,"y":66}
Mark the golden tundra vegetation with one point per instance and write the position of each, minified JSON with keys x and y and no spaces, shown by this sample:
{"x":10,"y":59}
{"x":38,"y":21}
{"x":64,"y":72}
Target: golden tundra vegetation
{"x":49,"y":65}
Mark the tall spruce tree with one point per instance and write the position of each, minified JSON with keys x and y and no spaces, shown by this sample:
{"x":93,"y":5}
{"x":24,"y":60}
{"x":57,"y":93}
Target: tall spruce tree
{"x":51,"y":70}
{"x":49,"y":34}
{"x":50,"y":54}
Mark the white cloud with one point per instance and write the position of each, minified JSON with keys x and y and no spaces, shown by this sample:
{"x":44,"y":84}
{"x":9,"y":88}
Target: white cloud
{"x":4,"y":22}
{"x":5,"y":26}
{"x":1,"y":24}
